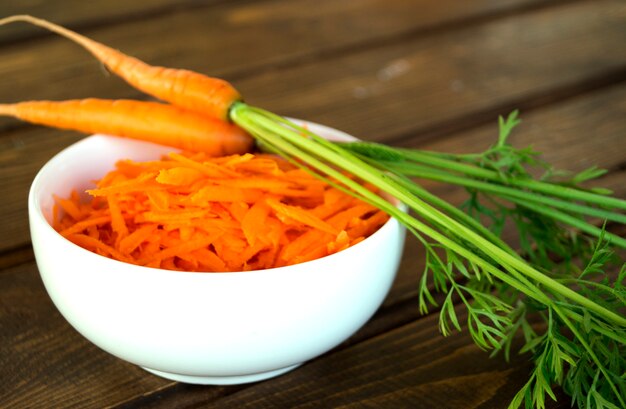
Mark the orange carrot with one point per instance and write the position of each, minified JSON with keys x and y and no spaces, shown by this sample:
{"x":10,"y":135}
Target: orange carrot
{"x":97,"y":246}
{"x":148,"y":121}
{"x":296,"y":213}
{"x":193,"y":212}
{"x":183,"y":88}
{"x":84,"y":224}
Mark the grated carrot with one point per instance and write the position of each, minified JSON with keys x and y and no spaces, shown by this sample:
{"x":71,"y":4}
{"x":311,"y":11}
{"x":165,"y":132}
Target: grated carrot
{"x":191,"y":212}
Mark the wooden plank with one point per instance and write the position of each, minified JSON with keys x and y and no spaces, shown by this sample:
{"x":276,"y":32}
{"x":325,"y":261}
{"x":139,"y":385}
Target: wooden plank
{"x":16,"y":256}
{"x":46,"y":363}
{"x":21,"y":157}
{"x":216,"y":41}
{"x":574,"y":135}
{"x":77,"y":13}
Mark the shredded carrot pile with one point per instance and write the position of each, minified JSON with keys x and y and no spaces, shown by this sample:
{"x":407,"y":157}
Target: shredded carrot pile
{"x":192,"y":212}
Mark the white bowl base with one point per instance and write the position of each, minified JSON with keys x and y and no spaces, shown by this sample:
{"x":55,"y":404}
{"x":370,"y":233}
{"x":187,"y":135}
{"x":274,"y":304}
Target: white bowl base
{"x":222,"y":380}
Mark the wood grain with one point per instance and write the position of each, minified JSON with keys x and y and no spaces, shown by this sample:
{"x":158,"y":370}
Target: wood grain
{"x":22,"y":154}
{"x":573,"y":134}
{"x":15,"y":256}
{"x":46,"y":363}
{"x":77,"y":13}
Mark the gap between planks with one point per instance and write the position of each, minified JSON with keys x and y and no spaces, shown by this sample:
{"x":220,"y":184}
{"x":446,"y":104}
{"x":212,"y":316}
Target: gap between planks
{"x":26,"y":36}
{"x":526,"y":105}
{"x":410,"y":34}
{"x":16,"y":256}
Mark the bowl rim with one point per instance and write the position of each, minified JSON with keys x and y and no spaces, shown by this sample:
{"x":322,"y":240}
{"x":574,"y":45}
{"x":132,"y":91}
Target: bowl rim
{"x":35,"y":209}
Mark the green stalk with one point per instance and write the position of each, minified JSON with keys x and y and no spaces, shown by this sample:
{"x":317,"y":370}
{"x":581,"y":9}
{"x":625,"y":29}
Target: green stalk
{"x":422,"y":172}
{"x":440,"y":203}
{"x":350,"y":163}
{"x":609,"y":334}
{"x":452,"y":229}
{"x":528,"y":200}
{"x":457,"y":213}
{"x":256,"y":127}
{"x":503,"y":257}
{"x":549,"y":188}
{"x":567,"y":219}
{"x":600,"y":286}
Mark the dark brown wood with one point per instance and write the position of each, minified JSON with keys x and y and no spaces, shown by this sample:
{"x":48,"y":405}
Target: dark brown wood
{"x":14,"y":257}
{"x":22,"y":154}
{"x":46,"y":363}
{"x":573,"y":134}
{"x":77,"y":13}
{"x":420,"y":84}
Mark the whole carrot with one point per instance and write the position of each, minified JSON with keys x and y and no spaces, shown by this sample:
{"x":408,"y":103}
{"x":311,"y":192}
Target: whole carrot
{"x":183,"y":88}
{"x":149,"y":121}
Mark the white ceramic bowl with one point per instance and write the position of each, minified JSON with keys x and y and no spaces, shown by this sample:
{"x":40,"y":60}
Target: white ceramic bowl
{"x":207,"y":328}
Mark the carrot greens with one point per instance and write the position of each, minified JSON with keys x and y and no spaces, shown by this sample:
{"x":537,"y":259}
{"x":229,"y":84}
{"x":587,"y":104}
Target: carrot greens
{"x":557,"y":296}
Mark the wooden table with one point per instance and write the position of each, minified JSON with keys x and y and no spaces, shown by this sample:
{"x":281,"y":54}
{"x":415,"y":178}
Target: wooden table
{"x":425,"y":73}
